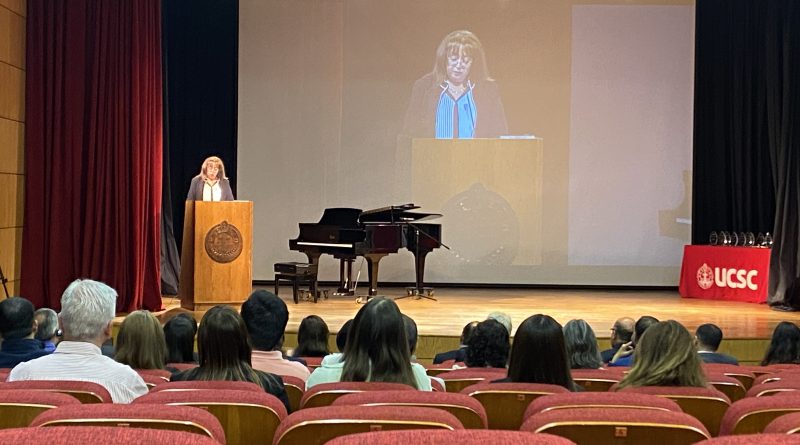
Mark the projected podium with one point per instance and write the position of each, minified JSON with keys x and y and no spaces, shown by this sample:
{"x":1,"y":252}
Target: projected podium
{"x":217,"y":255}
{"x":490,"y":192}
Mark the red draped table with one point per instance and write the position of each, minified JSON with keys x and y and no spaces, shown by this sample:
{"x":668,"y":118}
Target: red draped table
{"x":725,"y":273}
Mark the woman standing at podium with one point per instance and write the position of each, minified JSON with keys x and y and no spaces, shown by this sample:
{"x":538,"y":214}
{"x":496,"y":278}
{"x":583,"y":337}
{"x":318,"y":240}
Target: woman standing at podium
{"x":211,"y":184}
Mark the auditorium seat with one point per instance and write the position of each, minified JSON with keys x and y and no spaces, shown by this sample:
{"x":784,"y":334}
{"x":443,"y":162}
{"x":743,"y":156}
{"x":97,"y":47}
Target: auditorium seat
{"x":730,"y":386}
{"x":163,"y":373}
{"x":596,"y":380}
{"x":88,"y":435}
{"x":740,"y":373}
{"x":246,"y":416}
{"x":753,"y":414}
{"x":85,"y":392}
{"x":295,"y":388}
{"x":440,"y":368}
{"x":312,"y":362}
{"x":749,"y":439}
{"x":311,"y":426}
{"x":176,"y":418}
{"x":207,"y":384}
{"x":467,"y":410}
{"x":708,"y":405}
{"x":623,"y":399}
{"x":325,"y":393}
{"x":775,"y":376}
{"x":618,"y":426}
{"x":19,"y":407}
{"x":505,"y":403}
{"x":785,"y":424}
{"x":458,"y":379}
{"x":152,"y":380}
{"x":437,"y":385}
{"x":774,"y":387}
{"x":456,"y":437}
{"x":181,"y":366}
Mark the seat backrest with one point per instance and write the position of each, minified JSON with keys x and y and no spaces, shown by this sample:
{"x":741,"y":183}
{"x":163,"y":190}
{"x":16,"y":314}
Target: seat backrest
{"x":708,"y":405}
{"x":749,"y":439}
{"x":740,"y":373}
{"x":192,"y":385}
{"x":785,"y":424}
{"x":246,"y":416}
{"x":19,"y":407}
{"x":774,"y":387}
{"x":618,"y":426}
{"x":572,"y":400}
{"x":295,"y":388}
{"x":728,"y":385}
{"x":152,"y":380}
{"x":505,"y":403}
{"x":175,"y":418}
{"x":596,"y":380}
{"x":85,"y":392}
{"x":181,"y":366}
{"x":460,"y":437}
{"x":312,"y":362}
{"x":319,"y":425}
{"x":100,"y":434}
{"x":458,"y":379}
{"x":163,"y":373}
{"x":752,"y":414}
{"x":467,"y":410}
{"x":325,"y":393}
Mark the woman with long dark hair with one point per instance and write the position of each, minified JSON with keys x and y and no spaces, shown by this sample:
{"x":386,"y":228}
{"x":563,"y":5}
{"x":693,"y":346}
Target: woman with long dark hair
{"x":376,"y":350}
{"x":538,"y":354}
{"x":224,"y":353}
{"x":312,"y":338}
{"x":784,"y":346}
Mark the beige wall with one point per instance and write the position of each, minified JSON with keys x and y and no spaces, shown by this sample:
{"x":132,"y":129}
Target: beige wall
{"x":12,"y":131}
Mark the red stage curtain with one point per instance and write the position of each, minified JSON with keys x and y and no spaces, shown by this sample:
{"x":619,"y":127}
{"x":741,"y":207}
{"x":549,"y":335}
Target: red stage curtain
{"x":93,"y":149}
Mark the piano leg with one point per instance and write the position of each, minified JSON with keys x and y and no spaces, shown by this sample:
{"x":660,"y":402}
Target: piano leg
{"x":372,"y":270}
{"x":419,"y":263}
{"x":345,"y":276}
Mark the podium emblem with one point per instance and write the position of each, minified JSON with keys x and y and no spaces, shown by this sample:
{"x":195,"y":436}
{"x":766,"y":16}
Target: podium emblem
{"x":224,"y":242}
{"x":705,"y":277}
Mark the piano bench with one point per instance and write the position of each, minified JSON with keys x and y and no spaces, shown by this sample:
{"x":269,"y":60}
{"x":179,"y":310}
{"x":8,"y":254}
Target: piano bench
{"x":298,"y":274}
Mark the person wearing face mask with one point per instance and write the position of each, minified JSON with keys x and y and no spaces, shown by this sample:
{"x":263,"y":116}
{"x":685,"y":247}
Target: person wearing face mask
{"x":211,"y":184}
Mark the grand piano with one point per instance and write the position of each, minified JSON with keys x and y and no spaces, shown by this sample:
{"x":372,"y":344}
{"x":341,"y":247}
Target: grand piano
{"x":347,"y":233}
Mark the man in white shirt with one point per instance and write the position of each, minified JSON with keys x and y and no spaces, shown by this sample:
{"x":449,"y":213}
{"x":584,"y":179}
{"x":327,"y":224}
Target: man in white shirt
{"x":87,"y":312}
{"x":266,"y":315}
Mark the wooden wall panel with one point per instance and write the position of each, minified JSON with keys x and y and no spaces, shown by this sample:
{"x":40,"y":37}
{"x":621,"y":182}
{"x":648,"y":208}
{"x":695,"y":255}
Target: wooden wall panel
{"x":19,"y":7}
{"x":12,"y":38}
{"x":10,"y":242}
{"x":12,"y":97}
{"x":11,"y":200}
{"x":12,"y":135}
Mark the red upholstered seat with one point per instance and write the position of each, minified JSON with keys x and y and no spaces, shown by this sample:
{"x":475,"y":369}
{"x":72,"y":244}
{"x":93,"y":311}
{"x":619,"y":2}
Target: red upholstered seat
{"x":730,"y":386}
{"x":600,"y":400}
{"x":176,"y":418}
{"x":752,"y":414}
{"x":85,"y":392}
{"x":596,"y":380}
{"x":618,"y":426}
{"x":467,"y":410}
{"x":246,"y":416}
{"x":312,"y":362}
{"x":19,"y":407}
{"x":325,"y":393}
{"x":163,"y":373}
{"x":458,"y":379}
{"x":740,"y":373}
{"x":459,"y":437}
{"x":786,"y":424}
{"x":181,"y":366}
{"x":708,"y":405}
{"x":505,"y":403}
{"x":152,"y":380}
{"x":749,"y":439}
{"x":295,"y":388}
{"x":207,"y":384}
{"x":774,"y":387}
{"x":318,"y":425}
{"x":90,"y":435}
{"x":436,"y":385}
{"x":775,"y":376}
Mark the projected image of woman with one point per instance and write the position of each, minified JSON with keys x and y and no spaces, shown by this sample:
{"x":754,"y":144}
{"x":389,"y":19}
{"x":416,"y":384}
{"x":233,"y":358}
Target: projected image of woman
{"x":458,"y":99}
{"x":211,"y":184}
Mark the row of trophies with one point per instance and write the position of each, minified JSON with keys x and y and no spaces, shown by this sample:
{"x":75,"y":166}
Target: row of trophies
{"x":744,"y":239}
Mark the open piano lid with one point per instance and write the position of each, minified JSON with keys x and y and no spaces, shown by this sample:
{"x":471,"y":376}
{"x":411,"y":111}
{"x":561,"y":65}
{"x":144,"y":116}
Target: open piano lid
{"x":395,"y":214}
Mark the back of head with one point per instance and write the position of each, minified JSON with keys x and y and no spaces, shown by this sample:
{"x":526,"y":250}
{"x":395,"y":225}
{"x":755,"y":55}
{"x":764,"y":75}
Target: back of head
{"x":411,"y":333}
{"x":16,"y":318}
{"x":341,"y":336}
{"x":223,"y":347}
{"x":488,"y":346}
{"x":784,"y":346}
{"x":466,"y":333}
{"x":581,"y":345}
{"x":538,"y":354}
{"x":179,"y":334}
{"x":502,"y":318}
{"x":87,"y":308}
{"x":623,"y":330}
{"x":709,"y":336}
{"x":642,"y":324}
{"x":266,"y":316}
{"x":140,"y":342}
{"x":377,"y":348}
{"x":47,"y":320}
{"x":665,"y":356}
{"x":312,"y":338}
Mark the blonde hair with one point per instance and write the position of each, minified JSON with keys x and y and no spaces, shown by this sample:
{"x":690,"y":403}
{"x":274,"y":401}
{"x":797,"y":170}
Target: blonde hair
{"x":140,"y":342}
{"x":665,"y":356}
{"x":466,"y":41}
{"x":213,"y":160}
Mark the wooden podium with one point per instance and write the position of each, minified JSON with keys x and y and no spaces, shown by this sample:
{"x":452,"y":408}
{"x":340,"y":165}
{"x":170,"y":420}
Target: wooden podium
{"x":217,"y":254}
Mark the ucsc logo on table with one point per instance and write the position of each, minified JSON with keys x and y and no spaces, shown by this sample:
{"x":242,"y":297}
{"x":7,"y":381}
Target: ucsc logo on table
{"x":723,"y":277}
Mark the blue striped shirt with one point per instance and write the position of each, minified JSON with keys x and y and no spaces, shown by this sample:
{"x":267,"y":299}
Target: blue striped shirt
{"x":456,"y":118}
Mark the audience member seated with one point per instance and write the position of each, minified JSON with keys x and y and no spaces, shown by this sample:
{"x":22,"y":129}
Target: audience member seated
{"x":502,"y":318}
{"x":266,"y":315}
{"x":460,"y":354}
{"x":47,"y":330}
{"x":621,"y":333}
{"x":539,"y":354}
{"x":488,"y":346}
{"x":376,"y":350}
{"x":312,"y":338}
{"x":581,"y":345}
{"x":333,"y":363}
{"x":784,"y":348}
{"x":665,"y":356}
{"x":224,"y":353}
{"x":624,"y":355}
{"x":411,"y":335}
{"x":140,"y":342}
{"x":179,"y":333}
{"x":707,"y":338}
{"x":17,"y":326}
{"x":87,"y":315}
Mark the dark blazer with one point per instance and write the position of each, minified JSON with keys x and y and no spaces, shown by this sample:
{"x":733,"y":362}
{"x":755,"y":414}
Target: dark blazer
{"x":196,"y":189}
{"x":715,"y":357}
{"x":608,"y":354}
{"x":421,"y":115}
{"x":18,"y":350}
{"x":459,"y":355}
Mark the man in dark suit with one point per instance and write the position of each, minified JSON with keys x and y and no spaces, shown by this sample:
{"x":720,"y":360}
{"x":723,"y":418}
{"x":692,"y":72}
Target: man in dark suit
{"x":708,"y":337}
{"x":460,"y":354}
{"x":621,"y":333}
